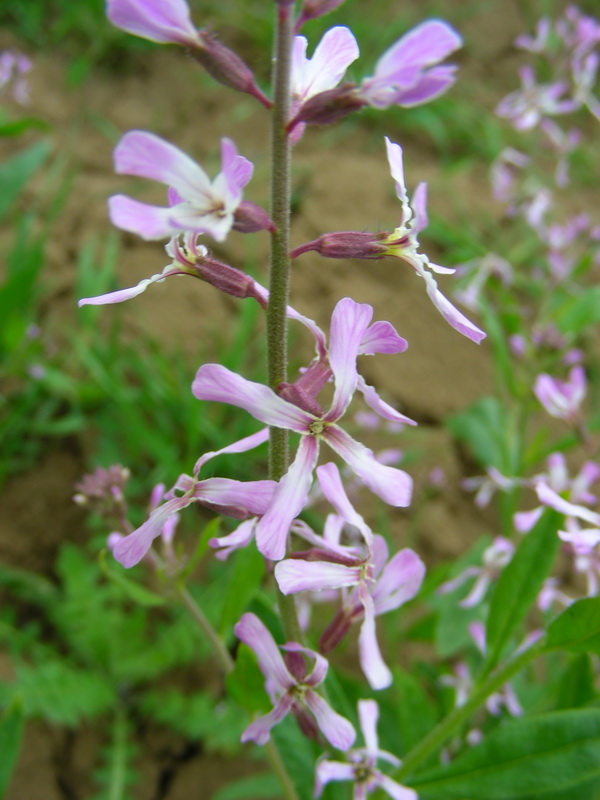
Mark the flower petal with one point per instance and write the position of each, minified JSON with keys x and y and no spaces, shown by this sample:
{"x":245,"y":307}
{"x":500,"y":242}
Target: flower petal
{"x":349,"y":323}
{"x":126,"y":294}
{"x":450,"y":313}
{"x":132,"y":548}
{"x":214,"y":382}
{"x":553,"y":500}
{"x":331,"y":771}
{"x":371,"y":660}
{"x":149,"y":222}
{"x":259,"y":731}
{"x":368,"y":714}
{"x":336,"y":729}
{"x":295,"y":575}
{"x":238,"y":538}
{"x":381,"y":337}
{"x":241,"y":446}
{"x":155,"y":20}
{"x":399,"y":581}
{"x":378,"y":405}
{"x":423,"y":46}
{"x":332,"y":57}
{"x":333,"y":489}
{"x":393,"y":485}
{"x":394,"y":789}
{"x":254,"y":497}
{"x":255,"y":634}
{"x":289,"y":499}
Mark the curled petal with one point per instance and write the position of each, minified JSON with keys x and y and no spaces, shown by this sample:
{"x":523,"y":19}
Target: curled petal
{"x":289,"y":499}
{"x":238,"y":538}
{"x":378,"y":405}
{"x":254,"y":633}
{"x":429,"y":86}
{"x":214,"y":382}
{"x":294,"y":575}
{"x":450,"y":313}
{"x":399,"y":581}
{"x":336,"y":729}
{"x":259,"y":731}
{"x":235,"y":169}
{"x":382,"y":337}
{"x":393,"y":485}
{"x":333,"y":489}
{"x":126,"y":294}
{"x":241,"y":446}
{"x":132,"y":548}
{"x":319,"y":671}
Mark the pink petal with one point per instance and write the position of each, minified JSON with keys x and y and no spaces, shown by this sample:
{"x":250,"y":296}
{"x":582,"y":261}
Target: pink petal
{"x":214,"y":382}
{"x":525,"y":520}
{"x":349,"y":323}
{"x":331,"y":771}
{"x":126,"y":294}
{"x":148,"y":156}
{"x":371,"y":660}
{"x":399,"y":582}
{"x":450,"y":313}
{"x":368,"y":714}
{"x":332,"y":57}
{"x":289,"y":499}
{"x":132,"y":548}
{"x":333,"y":489}
{"x":423,"y":46}
{"x":249,"y":496}
{"x":394,"y":789}
{"x":156,"y":20}
{"x":430,"y":85}
{"x":336,"y":729}
{"x":241,"y":446}
{"x":255,"y":634}
{"x":149,"y":222}
{"x":259,"y":731}
{"x":393,"y":485}
{"x":378,"y":405}
{"x":295,"y":575}
{"x":382,"y":337}
{"x":236,"y":169}
{"x":238,"y":538}
{"x":553,"y":500}
{"x":318,"y":672}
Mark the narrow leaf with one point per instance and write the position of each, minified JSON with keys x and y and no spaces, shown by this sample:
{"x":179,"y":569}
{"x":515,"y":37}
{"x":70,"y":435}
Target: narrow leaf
{"x":256,"y":787}
{"x":577,"y":629}
{"x":542,"y":754}
{"x":135,"y":591}
{"x":520,"y":583}
{"x":11,"y":733}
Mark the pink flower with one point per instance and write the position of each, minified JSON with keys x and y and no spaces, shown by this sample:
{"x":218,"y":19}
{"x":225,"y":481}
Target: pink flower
{"x":196,"y":204}
{"x":495,"y":558}
{"x":562,"y":399}
{"x":526,"y":107}
{"x":377,"y":587}
{"x":157,"y":20}
{"x":351,"y":333}
{"x":234,"y":498}
{"x":406,"y":74}
{"x":332,"y":57}
{"x":290,"y":692}
{"x":362,"y":763}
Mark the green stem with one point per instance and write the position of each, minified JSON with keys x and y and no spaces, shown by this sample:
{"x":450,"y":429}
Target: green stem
{"x":440,"y":734}
{"x":279,"y":276}
{"x":222,"y":653}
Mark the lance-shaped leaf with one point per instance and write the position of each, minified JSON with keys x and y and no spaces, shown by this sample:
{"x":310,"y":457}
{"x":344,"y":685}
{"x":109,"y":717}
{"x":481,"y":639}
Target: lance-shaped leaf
{"x":11,"y":733}
{"x":545,"y":753}
{"x":519,"y":584}
{"x":577,"y":629}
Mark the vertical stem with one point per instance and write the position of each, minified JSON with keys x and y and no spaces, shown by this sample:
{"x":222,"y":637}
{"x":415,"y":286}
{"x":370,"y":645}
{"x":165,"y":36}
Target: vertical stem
{"x":279,"y":277}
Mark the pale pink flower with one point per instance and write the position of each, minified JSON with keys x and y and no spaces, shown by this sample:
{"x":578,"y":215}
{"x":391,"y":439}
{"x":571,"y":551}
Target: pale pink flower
{"x":289,"y":692}
{"x":156,"y":20}
{"x":361,"y":767}
{"x":195,"y":203}
{"x":526,"y":107}
{"x":562,"y":399}
{"x":495,"y":558}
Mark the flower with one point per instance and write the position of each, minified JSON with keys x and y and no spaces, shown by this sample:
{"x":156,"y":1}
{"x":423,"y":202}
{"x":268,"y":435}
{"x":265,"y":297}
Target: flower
{"x":562,"y":399}
{"x":406,"y":74}
{"x":157,"y":20}
{"x":378,"y":588}
{"x":526,"y":107}
{"x":332,"y":57}
{"x":495,"y":558}
{"x":289,"y":692}
{"x":195,"y":204}
{"x":234,"y":498}
{"x":362,"y":766}
{"x":351,"y":333}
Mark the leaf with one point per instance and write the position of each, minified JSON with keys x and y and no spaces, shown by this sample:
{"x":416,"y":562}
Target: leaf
{"x":135,"y":591}
{"x":483,"y":428}
{"x":519,"y":584}
{"x":246,"y":684}
{"x":11,"y":733}
{"x":15,"y":173}
{"x":580,"y":312}
{"x":244,"y":580}
{"x":546,"y":753}
{"x":577,"y":629}
{"x":256,"y":787}
{"x":414,"y":710}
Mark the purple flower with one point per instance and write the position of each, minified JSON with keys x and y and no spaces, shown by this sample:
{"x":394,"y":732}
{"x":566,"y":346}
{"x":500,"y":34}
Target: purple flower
{"x":350,"y":328}
{"x":332,"y":57}
{"x":234,"y":498}
{"x":495,"y":558}
{"x":362,"y":763}
{"x":562,"y":399}
{"x":157,"y":20}
{"x":526,"y":107}
{"x":195,"y":204}
{"x":404,"y":244}
{"x":377,"y":587}
{"x":406,"y":74}
{"x":288,"y":691}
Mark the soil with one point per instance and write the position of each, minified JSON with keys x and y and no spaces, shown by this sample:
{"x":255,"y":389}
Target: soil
{"x":345,"y":185}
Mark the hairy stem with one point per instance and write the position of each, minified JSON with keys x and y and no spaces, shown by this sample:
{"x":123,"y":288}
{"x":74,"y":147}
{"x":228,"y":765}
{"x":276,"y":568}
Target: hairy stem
{"x":279,"y":276}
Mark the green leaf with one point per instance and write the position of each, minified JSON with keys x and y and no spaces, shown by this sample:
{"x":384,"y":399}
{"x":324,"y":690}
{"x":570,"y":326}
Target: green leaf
{"x":256,"y":787}
{"x":243,"y":583}
{"x":297,"y":754}
{"x":580,"y":312}
{"x":546,"y":753}
{"x":483,"y":428}
{"x":11,"y":733}
{"x":135,"y":591}
{"x":15,"y":173}
{"x":576,"y":685}
{"x":246,"y":684}
{"x":577,"y":629}
{"x":519,"y":584}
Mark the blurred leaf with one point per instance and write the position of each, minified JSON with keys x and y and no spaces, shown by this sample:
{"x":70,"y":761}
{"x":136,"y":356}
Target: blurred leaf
{"x":519,"y":584}
{"x":484,"y":428}
{"x":576,"y":686}
{"x":546,"y":753}
{"x":16,"y":171}
{"x":246,"y":684}
{"x":577,"y":629}
{"x":134,"y":590}
{"x":579,"y":313}
{"x":256,"y":787}
{"x":242,"y":584}
{"x":11,"y":734}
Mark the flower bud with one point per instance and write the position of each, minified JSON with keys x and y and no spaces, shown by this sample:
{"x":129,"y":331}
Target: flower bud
{"x":226,"y":66}
{"x":311,"y":9}
{"x":345,"y":244}
{"x":299,"y":397}
{"x":250,"y":218}
{"x":228,"y":279}
{"x":330,"y":106}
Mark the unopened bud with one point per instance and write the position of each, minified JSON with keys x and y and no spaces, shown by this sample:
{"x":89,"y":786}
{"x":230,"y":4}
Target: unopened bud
{"x":311,"y":9}
{"x":345,"y":244}
{"x":299,"y":397}
{"x":327,"y":107}
{"x":250,"y":218}
{"x":334,"y":632}
{"x":227,"y":279}
{"x":226,"y":66}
